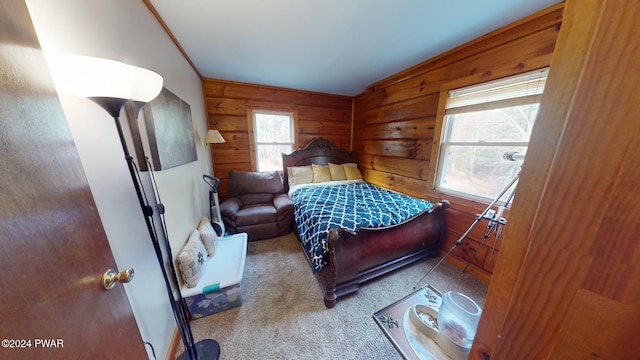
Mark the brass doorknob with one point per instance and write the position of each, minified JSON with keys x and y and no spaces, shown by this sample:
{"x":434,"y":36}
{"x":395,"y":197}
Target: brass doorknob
{"x":111,"y":277}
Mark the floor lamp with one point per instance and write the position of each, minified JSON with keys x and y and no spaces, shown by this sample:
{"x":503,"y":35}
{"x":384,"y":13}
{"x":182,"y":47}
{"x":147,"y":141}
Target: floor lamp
{"x":112,"y":84}
{"x":213,"y":137}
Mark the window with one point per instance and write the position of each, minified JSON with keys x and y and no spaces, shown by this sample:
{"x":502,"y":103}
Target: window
{"x":273,"y":133}
{"x":481,"y":124}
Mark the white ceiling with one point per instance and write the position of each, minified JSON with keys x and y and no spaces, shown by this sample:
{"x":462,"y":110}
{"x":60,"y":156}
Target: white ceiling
{"x":331,"y":46}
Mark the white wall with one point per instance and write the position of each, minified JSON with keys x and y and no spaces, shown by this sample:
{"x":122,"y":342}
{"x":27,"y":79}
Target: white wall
{"x":126,"y":31}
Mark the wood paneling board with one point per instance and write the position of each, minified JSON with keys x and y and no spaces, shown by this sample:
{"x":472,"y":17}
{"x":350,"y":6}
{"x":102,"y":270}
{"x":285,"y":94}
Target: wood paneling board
{"x":408,"y":185}
{"x":609,"y":262}
{"x":324,"y":113}
{"x":410,"y":129}
{"x":475,"y":271}
{"x":238,"y":90}
{"x":228,"y":122}
{"x":464,"y":252}
{"x":407,"y":148}
{"x":222,"y":169}
{"x":573,"y":344}
{"x":231,"y":154}
{"x":323,"y":125}
{"x":415,"y":108}
{"x":341,"y":141}
{"x":462,"y":221}
{"x":535,"y":63}
{"x":488,"y":252}
{"x":400,"y":166}
{"x":312,"y":127}
{"x":224,"y":106}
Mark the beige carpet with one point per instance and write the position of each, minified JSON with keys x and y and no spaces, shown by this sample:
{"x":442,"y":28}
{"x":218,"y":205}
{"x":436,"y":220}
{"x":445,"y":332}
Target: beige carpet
{"x":283,"y":315}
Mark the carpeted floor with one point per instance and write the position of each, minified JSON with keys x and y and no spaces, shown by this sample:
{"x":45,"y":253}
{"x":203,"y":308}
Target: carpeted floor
{"x":283,"y":315}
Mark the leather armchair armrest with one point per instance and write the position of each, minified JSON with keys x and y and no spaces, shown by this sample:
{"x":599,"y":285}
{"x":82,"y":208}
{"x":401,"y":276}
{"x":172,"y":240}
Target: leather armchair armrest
{"x":229,"y":208}
{"x":283,"y":204}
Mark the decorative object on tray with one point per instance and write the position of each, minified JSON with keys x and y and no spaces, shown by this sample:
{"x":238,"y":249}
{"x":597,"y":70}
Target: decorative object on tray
{"x":458,"y":319}
{"x":433,"y":326}
{"x":425,"y":319}
{"x":411,"y":343}
{"x":422,"y":345}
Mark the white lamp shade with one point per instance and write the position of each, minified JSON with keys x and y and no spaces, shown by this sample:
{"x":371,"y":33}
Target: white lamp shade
{"x":213,"y":137}
{"x":88,"y":77}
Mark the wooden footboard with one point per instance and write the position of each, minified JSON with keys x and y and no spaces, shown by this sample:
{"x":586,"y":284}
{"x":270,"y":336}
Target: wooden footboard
{"x":354,"y":259}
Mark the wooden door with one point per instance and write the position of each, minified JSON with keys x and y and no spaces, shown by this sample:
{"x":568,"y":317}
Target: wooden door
{"x":567,"y":283}
{"x":53,"y":248}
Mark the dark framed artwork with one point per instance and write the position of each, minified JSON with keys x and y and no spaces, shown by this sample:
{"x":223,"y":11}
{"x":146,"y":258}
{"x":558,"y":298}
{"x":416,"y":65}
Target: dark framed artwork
{"x":170,"y":130}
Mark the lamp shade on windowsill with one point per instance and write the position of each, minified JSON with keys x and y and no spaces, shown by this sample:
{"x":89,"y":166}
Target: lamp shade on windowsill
{"x":213,"y":137}
{"x":107,"y":82}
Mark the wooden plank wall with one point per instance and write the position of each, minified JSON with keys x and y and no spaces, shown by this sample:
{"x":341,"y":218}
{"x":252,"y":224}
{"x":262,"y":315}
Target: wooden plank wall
{"x":227,"y":102}
{"x":395,"y":120}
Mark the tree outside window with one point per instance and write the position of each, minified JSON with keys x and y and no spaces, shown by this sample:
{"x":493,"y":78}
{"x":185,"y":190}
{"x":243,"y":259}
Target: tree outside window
{"x":273,"y":137}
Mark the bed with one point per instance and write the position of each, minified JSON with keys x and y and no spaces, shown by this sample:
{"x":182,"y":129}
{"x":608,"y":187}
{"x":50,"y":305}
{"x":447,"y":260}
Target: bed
{"x":349,"y":254}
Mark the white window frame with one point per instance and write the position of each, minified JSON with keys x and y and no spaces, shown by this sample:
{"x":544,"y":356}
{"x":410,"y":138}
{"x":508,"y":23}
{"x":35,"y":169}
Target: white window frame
{"x":256,"y":144}
{"x":503,"y":93}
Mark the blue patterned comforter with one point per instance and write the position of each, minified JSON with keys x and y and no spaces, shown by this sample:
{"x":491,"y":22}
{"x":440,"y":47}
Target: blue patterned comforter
{"x":349,"y":206}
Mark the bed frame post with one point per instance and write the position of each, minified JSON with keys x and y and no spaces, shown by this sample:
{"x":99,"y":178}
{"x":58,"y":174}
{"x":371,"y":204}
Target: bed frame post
{"x":330,"y":275}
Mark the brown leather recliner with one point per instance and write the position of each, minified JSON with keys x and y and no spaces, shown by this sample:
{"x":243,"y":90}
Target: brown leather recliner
{"x":257,"y":205}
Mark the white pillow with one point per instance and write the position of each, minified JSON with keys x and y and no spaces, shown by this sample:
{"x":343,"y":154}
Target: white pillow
{"x":192,"y":260}
{"x":208,"y":236}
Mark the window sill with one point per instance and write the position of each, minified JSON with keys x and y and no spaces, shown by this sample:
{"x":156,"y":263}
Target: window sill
{"x":467,"y":205}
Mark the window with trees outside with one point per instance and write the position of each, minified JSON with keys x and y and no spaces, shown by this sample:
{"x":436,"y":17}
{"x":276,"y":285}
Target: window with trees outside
{"x":481,"y":124}
{"x":274,"y":135}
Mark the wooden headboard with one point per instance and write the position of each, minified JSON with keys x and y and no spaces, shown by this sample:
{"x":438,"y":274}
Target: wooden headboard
{"x":319,"y":151}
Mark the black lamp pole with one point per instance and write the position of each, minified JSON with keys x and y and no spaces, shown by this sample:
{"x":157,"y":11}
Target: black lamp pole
{"x":204,"y":349}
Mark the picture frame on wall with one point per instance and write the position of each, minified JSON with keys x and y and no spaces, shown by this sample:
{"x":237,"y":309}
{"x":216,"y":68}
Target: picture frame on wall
{"x":170,"y":131}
